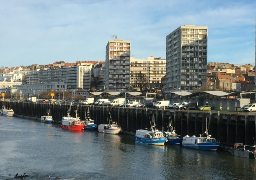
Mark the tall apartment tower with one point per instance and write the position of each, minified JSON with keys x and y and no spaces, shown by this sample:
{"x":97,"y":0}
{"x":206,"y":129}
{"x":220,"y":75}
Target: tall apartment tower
{"x":186,"y":58}
{"x":117,"y":68}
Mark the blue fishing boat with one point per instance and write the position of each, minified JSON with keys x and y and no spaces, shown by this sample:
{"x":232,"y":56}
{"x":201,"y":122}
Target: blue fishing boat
{"x":89,"y":123}
{"x":171,"y":135}
{"x":47,"y":119}
{"x":203,"y":142}
{"x":152,"y":136}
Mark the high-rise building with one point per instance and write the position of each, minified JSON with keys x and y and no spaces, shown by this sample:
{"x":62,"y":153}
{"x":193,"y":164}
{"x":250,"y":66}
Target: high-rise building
{"x":186,"y":58}
{"x":147,"y":73}
{"x":117,"y":69}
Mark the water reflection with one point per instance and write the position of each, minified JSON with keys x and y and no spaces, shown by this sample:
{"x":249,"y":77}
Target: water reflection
{"x":41,"y":150}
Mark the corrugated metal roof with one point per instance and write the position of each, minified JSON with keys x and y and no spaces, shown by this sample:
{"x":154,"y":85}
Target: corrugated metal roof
{"x":113,"y":93}
{"x":134,"y":93}
{"x":217,"y":93}
{"x":96,"y":93}
{"x":182,"y":93}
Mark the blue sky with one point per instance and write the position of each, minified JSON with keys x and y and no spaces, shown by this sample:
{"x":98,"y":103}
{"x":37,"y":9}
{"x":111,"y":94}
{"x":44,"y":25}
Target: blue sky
{"x":44,"y":31}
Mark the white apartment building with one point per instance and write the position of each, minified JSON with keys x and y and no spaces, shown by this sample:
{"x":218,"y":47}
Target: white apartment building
{"x":117,"y":68}
{"x":75,"y":77}
{"x":147,"y":73}
{"x":186,"y":58}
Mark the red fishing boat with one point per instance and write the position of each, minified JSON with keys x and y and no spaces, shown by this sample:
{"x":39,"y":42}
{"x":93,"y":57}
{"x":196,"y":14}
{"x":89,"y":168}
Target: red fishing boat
{"x":72,"y":123}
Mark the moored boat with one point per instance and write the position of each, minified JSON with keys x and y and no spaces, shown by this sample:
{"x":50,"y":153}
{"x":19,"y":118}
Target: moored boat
{"x":110,"y":128}
{"x":89,"y":123}
{"x":7,"y":112}
{"x":47,"y":119}
{"x":152,"y":136}
{"x":72,"y":123}
{"x":203,"y":142}
{"x":172,"y":136}
{"x":244,"y":151}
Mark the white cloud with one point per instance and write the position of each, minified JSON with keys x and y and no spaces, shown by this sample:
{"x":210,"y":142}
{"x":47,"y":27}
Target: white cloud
{"x":44,"y":31}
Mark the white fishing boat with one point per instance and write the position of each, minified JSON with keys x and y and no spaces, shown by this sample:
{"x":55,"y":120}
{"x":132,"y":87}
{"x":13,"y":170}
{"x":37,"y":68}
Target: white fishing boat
{"x":152,"y":136}
{"x":203,"y":142}
{"x":111,"y":128}
{"x":7,"y":112}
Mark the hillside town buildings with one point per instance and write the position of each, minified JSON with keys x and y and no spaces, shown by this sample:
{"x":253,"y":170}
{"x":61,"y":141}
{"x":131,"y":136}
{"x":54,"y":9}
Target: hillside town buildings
{"x":185,"y":68}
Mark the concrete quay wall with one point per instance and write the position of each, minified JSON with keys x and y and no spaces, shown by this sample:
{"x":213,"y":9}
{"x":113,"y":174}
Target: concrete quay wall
{"x":226,"y":127}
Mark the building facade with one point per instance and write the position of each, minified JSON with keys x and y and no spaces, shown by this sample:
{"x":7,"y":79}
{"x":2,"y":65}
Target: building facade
{"x":75,"y":77}
{"x":186,"y":58}
{"x":117,"y":68}
{"x":147,"y":73}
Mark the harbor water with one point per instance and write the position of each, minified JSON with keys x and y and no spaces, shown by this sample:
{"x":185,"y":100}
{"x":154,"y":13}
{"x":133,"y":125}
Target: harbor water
{"x":45,"y":151}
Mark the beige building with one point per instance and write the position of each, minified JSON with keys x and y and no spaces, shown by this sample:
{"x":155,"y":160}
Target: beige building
{"x":186,"y":58}
{"x":117,"y":68}
{"x":147,"y":73}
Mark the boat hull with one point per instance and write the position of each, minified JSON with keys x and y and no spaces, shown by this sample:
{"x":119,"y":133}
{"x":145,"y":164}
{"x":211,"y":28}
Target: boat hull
{"x":73,"y":127}
{"x":203,"y":146}
{"x":90,"y":127}
{"x":48,"y":121}
{"x":9,"y":114}
{"x":173,"y":141}
{"x":151,"y":141}
{"x":244,"y":153}
{"x":113,"y":130}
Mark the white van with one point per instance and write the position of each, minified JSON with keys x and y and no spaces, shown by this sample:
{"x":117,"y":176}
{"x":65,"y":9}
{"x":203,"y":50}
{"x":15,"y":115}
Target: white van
{"x":162,"y":104}
{"x":250,"y":107}
{"x":117,"y":101}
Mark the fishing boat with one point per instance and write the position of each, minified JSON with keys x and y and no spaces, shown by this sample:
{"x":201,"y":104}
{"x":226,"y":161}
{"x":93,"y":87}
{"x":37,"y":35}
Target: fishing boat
{"x":89,"y":123}
{"x":110,"y":128}
{"x":7,"y":112}
{"x":47,"y":119}
{"x":244,"y":151}
{"x":171,"y":135}
{"x":203,"y":142}
{"x":152,"y":136}
{"x":72,"y":123}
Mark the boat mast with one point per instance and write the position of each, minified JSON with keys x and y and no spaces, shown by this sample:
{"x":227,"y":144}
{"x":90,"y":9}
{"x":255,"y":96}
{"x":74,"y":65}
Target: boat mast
{"x":206,"y":128}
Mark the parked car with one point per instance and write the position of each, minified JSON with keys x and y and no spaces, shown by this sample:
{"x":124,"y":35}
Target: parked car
{"x":139,"y":105}
{"x":180,"y":105}
{"x":205,"y":108}
{"x":244,"y":107}
{"x":132,"y":103}
{"x":190,"y":106}
{"x":172,"y":105}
